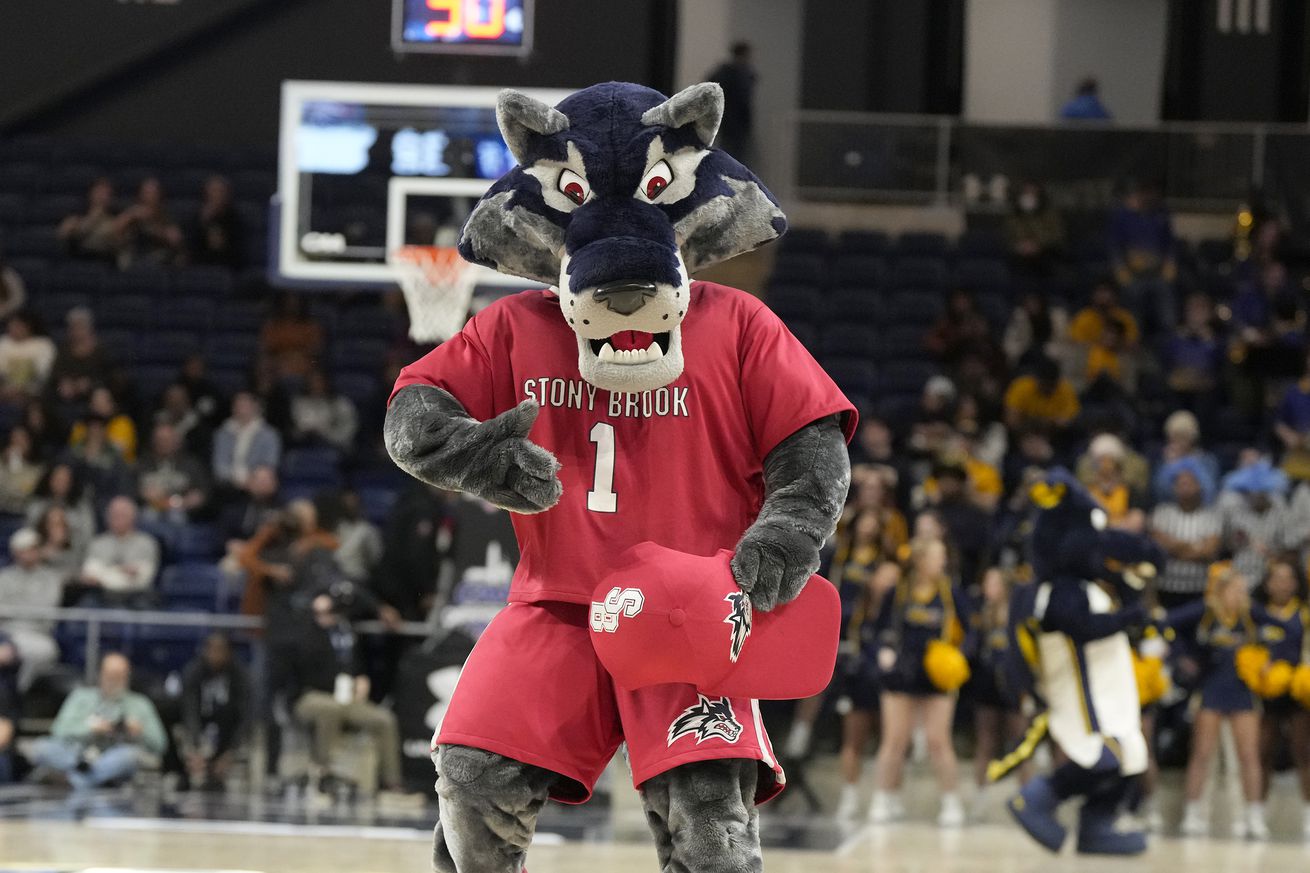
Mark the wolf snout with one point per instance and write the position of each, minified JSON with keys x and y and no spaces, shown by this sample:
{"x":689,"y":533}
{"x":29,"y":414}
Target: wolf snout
{"x":623,"y":296}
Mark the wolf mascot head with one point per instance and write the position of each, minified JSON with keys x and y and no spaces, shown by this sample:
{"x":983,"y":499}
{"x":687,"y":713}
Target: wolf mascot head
{"x":617,"y":198}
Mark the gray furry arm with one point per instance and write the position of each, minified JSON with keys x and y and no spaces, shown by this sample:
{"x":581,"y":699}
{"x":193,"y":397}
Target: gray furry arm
{"x":429,"y":435}
{"x":806,"y":478}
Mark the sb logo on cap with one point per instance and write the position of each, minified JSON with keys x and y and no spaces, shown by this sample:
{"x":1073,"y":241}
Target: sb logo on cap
{"x":619,"y":601}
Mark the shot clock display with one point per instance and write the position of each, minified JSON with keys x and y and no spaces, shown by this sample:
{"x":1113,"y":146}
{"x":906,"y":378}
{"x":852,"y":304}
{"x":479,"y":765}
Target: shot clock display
{"x":462,"y":26}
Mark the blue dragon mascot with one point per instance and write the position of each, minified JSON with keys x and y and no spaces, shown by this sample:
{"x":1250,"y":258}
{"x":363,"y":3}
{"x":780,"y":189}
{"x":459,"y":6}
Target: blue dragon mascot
{"x":1072,"y":625}
{"x":626,"y":403}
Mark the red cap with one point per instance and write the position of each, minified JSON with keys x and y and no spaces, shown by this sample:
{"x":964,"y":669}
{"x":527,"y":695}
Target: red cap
{"x":668,"y":617}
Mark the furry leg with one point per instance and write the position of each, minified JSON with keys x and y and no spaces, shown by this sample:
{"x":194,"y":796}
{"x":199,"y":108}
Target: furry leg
{"x":488,"y":811}
{"x":704,"y":818}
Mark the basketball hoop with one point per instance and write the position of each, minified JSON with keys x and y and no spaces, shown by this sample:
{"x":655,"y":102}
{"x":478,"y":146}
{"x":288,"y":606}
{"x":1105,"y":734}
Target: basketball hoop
{"x":438,"y":287}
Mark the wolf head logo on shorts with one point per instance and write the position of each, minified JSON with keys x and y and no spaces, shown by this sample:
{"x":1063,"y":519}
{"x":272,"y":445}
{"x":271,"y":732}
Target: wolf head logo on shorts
{"x":707,"y":718}
{"x":740,"y":619}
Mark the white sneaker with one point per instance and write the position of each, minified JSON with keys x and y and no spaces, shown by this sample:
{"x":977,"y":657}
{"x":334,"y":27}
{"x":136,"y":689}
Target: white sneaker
{"x":1154,"y":821}
{"x":884,"y":808}
{"x":1239,"y":829}
{"x":848,"y":805}
{"x":798,"y":742}
{"x":952,"y":812}
{"x":1195,"y":823}
{"x":1256,"y":826}
{"x":1305,"y":824}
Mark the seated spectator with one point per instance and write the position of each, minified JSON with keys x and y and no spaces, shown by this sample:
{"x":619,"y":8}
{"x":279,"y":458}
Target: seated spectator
{"x":63,"y":487}
{"x":100,"y":461}
{"x":13,"y":290}
{"x":120,"y":430}
{"x":8,"y":706}
{"x":1034,"y":232}
{"x":961,"y":330}
{"x":215,"y":713}
{"x":121,"y":563}
{"x":1135,"y":468}
{"x":1036,"y":329}
{"x":1256,"y":521}
{"x":1106,"y":332}
{"x":291,"y":340}
{"x":26,"y":357}
{"x":244,"y":442}
{"x":333,"y":693}
{"x":1031,"y":450}
{"x":93,"y":234}
{"x":1085,"y":104}
{"x":1193,"y":355}
{"x":172,"y":484}
{"x":1043,"y":399}
{"x":933,"y":420}
{"x":320,"y":415}
{"x":29,"y":583}
{"x":207,"y":400}
{"x":20,"y":472}
{"x":360,"y":542}
{"x":48,"y":432}
{"x":1292,"y":425}
{"x":247,"y":512}
{"x":176,"y":411}
{"x":1141,"y":238}
{"x":102,"y":733}
{"x":147,"y":233}
{"x":1107,"y":486}
{"x":81,"y":365}
{"x":1182,"y":439}
{"x":62,"y":549}
{"x":217,"y":232}
{"x":1189,"y":530}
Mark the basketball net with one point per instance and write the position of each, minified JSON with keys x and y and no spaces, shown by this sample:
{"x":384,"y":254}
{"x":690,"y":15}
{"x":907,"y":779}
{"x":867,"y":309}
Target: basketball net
{"x":438,"y":288}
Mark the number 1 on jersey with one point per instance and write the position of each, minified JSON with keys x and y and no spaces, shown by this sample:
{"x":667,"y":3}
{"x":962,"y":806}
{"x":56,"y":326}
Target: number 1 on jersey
{"x":601,"y":497}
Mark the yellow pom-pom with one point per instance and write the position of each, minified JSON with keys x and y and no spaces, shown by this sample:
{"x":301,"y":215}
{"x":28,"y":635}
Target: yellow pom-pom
{"x":945,"y":665}
{"x":1151,"y":681}
{"x":1277,"y":680}
{"x":1301,"y":685}
{"x":1251,"y":663}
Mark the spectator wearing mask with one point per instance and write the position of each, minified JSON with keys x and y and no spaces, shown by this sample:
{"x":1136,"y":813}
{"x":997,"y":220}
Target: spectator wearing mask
{"x":1036,"y":329}
{"x":1257,"y":523}
{"x":1043,"y":398}
{"x":217,"y":232}
{"x":120,"y":430}
{"x":93,"y":234}
{"x":26,"y":358}
{"x":290,"y":340}
{"x":28,"y":582}
{"x":244,"y":442}
{"x":20,"y":472}
{"x":333,"y":692}
{"x":121,"y":563}
{"x":1142,"y":253}
{"x":63,"y":487}
{"x":1182,"y":439}
{"x":146,"y":231}
{"x":1188,"y":529}
{"x":1107,"y":335}
{"x":9,"y":706}
{"x":102,"y":733}
{"x":1085,"y":104}
{"x":1034,"y":232}
{"x":171,"y":483}
{"x":320,"y":415}
{"x":215,"y":713}
{"x":81,"y":365}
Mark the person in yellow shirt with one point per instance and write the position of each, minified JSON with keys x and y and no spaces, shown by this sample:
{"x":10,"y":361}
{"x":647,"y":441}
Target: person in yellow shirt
{"x":1041,"y":398}
{"x":119,"y":429}
{"x":1107,"y":331}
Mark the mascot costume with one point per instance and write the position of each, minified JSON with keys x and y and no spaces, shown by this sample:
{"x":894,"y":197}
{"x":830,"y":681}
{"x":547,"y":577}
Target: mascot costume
{"x":1072,"y":627}
{"x":625,"y":404}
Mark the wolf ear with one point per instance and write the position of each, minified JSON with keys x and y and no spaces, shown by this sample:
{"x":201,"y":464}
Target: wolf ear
{"x":701,"y":105}
{"x":519,"y":117}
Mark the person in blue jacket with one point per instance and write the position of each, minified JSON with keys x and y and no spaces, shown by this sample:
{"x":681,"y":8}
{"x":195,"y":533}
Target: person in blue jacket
{"x":924,"y":606}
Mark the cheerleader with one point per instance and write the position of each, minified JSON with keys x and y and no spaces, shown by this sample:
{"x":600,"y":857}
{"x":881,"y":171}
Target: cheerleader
{"x":920,"y":611}
{"x":1215,"y":629}
{"x":1286,"y":724}
{"x":998,"y":721}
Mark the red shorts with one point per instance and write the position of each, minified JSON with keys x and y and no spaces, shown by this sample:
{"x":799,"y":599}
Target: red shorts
{"x":533,"y":690}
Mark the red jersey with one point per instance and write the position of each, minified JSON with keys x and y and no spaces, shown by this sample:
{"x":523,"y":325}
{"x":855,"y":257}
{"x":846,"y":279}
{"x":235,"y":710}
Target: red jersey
{"x":681,"y":466}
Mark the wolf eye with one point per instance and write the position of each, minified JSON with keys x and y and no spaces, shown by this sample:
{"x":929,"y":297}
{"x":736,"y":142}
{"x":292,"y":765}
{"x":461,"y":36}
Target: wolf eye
{"x":574,"y":187}
{"x":656,"y":180}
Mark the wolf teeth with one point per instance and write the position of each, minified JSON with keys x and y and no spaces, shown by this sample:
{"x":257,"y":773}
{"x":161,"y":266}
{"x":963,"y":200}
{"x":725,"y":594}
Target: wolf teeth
{"x":610,"y":355}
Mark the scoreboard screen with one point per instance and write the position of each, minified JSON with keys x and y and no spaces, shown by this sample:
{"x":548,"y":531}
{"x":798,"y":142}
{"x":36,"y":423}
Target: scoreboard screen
{"x":462,"y":26}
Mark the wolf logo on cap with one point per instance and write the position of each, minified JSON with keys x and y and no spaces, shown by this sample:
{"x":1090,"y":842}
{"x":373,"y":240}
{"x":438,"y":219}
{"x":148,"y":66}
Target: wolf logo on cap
{"x":707,"y":718}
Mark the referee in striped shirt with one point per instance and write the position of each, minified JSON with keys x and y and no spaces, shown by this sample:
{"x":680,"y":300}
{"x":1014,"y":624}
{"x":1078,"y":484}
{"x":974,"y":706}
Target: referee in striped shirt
{"x":1189,"y":530}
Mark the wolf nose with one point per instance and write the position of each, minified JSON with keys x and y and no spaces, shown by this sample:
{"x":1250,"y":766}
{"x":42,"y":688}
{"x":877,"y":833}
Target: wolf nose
{"x":624,"y":297}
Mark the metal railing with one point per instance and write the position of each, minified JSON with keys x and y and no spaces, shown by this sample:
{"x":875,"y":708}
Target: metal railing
{"x":941,"y":160}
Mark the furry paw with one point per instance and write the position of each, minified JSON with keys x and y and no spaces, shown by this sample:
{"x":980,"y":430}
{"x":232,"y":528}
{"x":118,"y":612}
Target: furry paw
{"x":772,"y":564}
{"x":519,"y":475}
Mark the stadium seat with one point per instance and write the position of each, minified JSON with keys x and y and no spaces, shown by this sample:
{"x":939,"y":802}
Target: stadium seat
{"x":981,"y":243}
{"x":168,"y":347}
{"x":804,"y":239}
{"x":198,"y":542}
{"x":863,"y":242}
{"x":239,"y":316}
{"x":35,"y":273}
{"x":33,"y":242}
{"x":905,"y":377}
{"x":195,"y":584}
{"x":21,"y":177}
{"x":150,"y":280}
{"x":799,"y":302}
{"x":73,"y":180}
{"x":366,"y":355}
{"x":204,"y":282}
{"x":866,"y":270}
{"x":852,"y":375}
{"x":860,"y":305}
{"x":361,"y":388}
{"x":901,"y":343}
{"x":128,"y":312}
{"x":231,"y":351}
{"x":50,"y":210}
{"x":185,"y":313}
{"x":928,"y":272}
{"x":983,"y":274}
{"x":79,"y":277}
{"x":317,"y":465}
{"x":376,"y":503}
{"x":799,"y":267}
{"x":921,"y":244}
{"x":913,"y":306}
{"x":166,"y":649}
{"x":52,"y":307}
{"x":842,"y":340}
